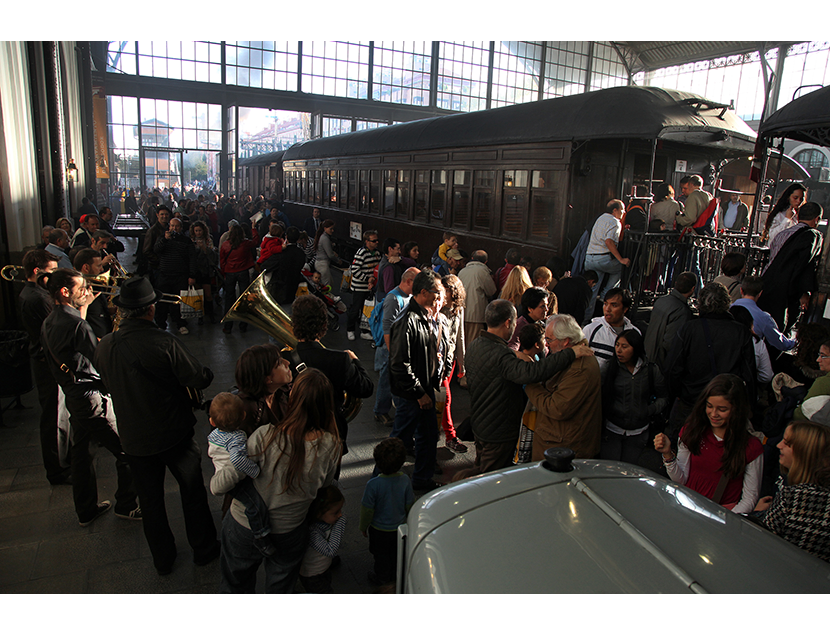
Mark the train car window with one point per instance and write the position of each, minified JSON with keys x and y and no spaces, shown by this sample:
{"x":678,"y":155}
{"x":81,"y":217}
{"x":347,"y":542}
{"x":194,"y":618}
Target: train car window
{"x":318,"y":194}
{"x":332,"y":192}
{"x":352,"y":190}
{"x":515,"y":178}
{"x":462,"y":181}
{"x":303,"y":191}
{"x":421,"y":195}
{"x":542,"y":215}
{"x":364,"y":191}
{"x":374,"y":191}
{"x":438,"y":197}
{"x":514,"y":202}
{"x":342,"y":193}
{"x":483,"y":198}
{"x":513,"y":211}
{"x":402,"y":206}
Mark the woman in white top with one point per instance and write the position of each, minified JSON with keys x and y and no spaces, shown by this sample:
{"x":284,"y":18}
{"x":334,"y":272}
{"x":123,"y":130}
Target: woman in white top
{"x":296,"y":457}
{"x":785,"y":212}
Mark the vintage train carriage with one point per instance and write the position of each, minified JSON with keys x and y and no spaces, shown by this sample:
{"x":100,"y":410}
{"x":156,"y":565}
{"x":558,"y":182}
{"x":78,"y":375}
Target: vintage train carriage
{"x":533,"y":175}
{"x":261,"y":174}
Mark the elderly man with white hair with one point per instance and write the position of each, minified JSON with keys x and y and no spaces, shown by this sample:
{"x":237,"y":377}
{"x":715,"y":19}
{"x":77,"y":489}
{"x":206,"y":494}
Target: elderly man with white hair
{"x":569,"y":406}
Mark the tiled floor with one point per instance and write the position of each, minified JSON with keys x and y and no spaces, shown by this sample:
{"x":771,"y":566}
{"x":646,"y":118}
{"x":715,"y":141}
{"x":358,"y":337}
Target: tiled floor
{"x":43,"y":550}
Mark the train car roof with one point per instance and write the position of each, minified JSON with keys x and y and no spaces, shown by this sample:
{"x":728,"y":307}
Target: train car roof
{"x":263,"y":159}
{"x":641,"y":112}
{"x":804,"y":119}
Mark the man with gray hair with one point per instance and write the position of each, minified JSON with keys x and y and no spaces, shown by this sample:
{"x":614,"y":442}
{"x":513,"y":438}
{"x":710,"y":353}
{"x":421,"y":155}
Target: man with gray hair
{"x":495,"y":377}
{"x":479,"y":287}
{"x":568,"y":404}
{"x":704,"y":347}
{"x":697,"y":200}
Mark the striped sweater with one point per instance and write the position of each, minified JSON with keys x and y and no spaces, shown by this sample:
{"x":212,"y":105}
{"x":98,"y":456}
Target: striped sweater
{"x":363,"y":267}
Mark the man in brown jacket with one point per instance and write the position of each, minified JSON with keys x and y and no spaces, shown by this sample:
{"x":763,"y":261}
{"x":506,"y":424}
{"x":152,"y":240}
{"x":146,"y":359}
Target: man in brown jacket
{"x":569,"y":404}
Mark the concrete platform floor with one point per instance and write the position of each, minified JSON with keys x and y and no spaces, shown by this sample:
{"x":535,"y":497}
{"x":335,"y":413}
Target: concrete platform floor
{"x":43,"y":550}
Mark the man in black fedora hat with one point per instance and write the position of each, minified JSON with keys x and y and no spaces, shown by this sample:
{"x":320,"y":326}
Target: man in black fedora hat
{"x":147,"y":371}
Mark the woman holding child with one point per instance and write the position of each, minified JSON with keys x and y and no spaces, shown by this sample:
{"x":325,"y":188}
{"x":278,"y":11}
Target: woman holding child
{"x":297,"y":457}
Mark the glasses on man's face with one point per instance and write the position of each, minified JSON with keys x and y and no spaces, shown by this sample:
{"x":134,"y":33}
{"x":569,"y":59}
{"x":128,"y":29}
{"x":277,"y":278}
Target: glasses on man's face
{"x":823,"y":356}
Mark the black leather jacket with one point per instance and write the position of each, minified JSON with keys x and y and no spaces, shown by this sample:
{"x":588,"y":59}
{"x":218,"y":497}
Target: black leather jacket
{"x":414,"y":365}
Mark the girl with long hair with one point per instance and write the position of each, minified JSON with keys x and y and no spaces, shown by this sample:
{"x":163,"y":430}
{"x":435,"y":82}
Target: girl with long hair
{"x":518,"y":281}
{"x":717,"y":455}
{"x":633,"y":391}
{"x":452,"y":315}
{"x":297,"y":457}
{"x":784,"y":213}
{"x":236,"y":257}
{"x":799,"y":511}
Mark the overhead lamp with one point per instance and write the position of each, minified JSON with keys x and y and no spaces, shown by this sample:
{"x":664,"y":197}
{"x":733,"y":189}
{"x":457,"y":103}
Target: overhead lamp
{"x":72,"y":172}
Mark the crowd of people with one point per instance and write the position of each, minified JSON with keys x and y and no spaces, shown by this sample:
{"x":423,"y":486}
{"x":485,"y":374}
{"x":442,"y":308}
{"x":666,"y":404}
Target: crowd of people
{"x":542,"y":368}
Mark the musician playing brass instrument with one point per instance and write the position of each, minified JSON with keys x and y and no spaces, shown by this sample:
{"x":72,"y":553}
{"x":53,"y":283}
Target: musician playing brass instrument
{"x":35,"y":305}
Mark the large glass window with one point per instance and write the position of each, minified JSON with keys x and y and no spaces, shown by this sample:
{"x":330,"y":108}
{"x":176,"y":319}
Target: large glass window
{"x":462,"y":75}
{"x":606,"y":69}
{"x":190,"y":61}
{"x":401,"y":72}
{"x":516,"y":71}
{"x":566,"y":65}
{"x":339,"y":69}
{"x":807,"y":64}
{"x":262,"y":64}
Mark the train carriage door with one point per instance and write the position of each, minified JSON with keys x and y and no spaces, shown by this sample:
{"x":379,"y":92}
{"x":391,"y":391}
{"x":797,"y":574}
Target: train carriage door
{"x":484,"y":197}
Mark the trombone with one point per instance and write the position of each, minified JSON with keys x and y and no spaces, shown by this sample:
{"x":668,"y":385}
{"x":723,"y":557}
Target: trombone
{"x":108,"y":286}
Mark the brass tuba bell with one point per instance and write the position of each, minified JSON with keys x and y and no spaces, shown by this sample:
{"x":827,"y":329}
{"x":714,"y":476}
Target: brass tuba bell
{"x":256,"y":306}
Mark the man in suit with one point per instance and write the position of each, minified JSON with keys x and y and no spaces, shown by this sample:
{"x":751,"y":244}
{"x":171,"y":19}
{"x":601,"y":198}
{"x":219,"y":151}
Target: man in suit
{"x":790,"y":277}
{"x":313,"y":224}
{"x":310,"y":322}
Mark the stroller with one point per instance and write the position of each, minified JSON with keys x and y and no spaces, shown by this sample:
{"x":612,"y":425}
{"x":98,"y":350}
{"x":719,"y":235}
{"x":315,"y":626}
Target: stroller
{"x":334,"y":305}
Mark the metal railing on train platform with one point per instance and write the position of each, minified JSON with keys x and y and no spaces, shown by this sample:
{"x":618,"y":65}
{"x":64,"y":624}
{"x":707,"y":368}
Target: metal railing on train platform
{"x":656,"y":258}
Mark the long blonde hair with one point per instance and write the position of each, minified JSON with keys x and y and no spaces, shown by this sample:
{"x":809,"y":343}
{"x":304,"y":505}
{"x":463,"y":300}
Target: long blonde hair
{"x":518,"y":281}
{"x":809,"y":442}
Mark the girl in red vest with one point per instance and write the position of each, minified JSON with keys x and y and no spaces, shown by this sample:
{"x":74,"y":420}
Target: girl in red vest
{"x":717,"y":455}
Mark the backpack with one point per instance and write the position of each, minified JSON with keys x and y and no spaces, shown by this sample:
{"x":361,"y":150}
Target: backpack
{"x":376,"y":324}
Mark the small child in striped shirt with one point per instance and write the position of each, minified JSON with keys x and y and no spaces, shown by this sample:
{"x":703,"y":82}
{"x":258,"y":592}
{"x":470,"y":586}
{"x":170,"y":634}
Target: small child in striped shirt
{"x":324,"y":536}
{"x":228,"y":448}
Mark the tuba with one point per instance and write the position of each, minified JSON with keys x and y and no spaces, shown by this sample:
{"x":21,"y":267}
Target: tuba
{"x":256,"y":306}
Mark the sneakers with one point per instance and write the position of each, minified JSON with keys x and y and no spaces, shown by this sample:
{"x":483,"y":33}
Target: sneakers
{"x":384,"y":418}
{"x":183,"y":330}
{"x":103,"y":508}
{"x":455,"y":445}
{"x":366,"y":336}
{"x":350,"y":335}
{"x":133,"y":515}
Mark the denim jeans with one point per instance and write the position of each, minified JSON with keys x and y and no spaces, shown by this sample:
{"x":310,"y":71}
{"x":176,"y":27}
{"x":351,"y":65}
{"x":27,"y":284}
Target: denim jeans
{"x":255,"y":509}
{"x":384,"y":398}
{"x":240,"y":279}
{"x":240,"y":559}
{"x":602,"y":263}
{"x":411,"y":421}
